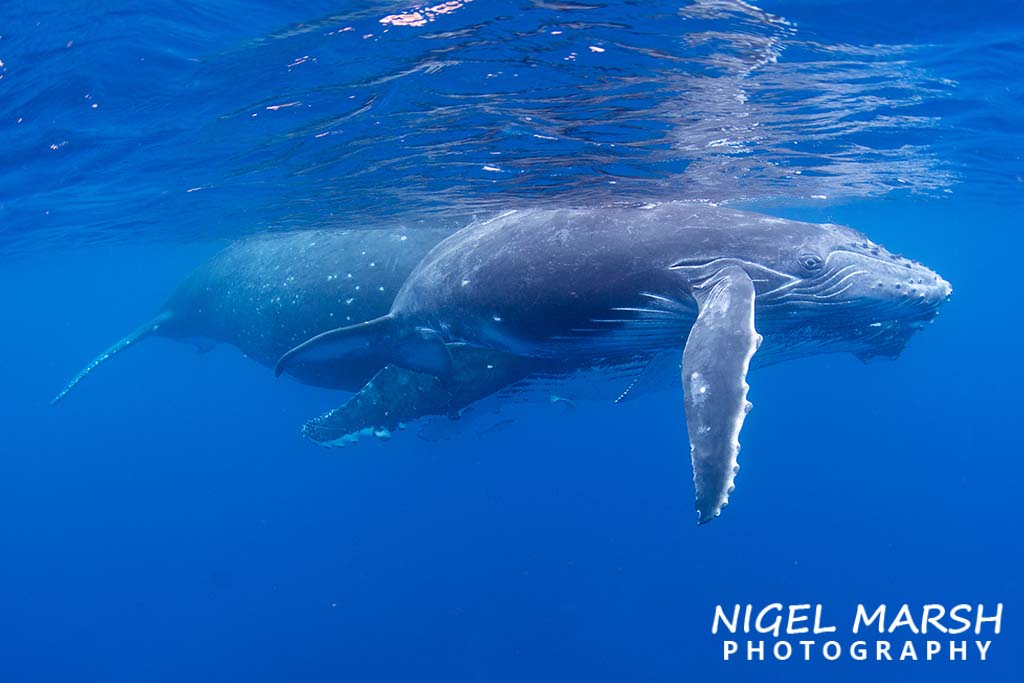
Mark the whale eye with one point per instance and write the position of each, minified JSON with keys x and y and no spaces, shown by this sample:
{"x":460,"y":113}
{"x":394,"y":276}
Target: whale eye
{"x":811,"y":262}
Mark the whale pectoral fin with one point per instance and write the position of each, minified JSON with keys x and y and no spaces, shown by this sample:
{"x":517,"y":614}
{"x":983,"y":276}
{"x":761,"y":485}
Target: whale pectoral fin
{"x":715,"y":362}
{"x":394,"y":397}
{"x":397,"y":396}
{"x":376,"y":342}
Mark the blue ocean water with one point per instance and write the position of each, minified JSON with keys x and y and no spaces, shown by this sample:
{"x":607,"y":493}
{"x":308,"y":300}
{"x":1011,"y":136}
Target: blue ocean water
{"x":167,"y":522}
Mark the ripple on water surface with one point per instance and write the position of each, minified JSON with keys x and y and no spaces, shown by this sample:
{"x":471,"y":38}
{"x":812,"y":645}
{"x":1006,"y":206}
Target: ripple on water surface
{"x":197,"y":120}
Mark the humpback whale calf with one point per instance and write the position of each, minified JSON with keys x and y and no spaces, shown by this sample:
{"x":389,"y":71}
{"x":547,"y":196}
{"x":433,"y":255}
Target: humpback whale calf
{"x":699,"y":285}
{"x":265,"y":294}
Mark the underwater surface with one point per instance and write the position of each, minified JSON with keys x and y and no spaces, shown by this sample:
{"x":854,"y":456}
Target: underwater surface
{"x":168,"y":522}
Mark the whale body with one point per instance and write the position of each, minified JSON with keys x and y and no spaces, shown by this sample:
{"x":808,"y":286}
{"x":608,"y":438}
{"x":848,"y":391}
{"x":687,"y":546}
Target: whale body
{"x":691,"y":287}
{"x":265,"y":294}
{"x":421,"y":322}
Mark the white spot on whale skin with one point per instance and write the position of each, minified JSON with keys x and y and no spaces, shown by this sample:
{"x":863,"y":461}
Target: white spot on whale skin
{"x":352,"y":437}
{"x":697,"y":389}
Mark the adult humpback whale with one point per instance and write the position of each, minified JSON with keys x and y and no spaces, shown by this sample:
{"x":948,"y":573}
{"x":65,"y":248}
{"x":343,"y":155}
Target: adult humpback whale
{"x":581,"y":287}
{"x":265,"y":294}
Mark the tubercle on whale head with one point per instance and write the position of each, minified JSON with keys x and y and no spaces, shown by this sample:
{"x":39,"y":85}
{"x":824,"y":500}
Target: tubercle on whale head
{"x":840,"y":271}
{"x":827,"y":288}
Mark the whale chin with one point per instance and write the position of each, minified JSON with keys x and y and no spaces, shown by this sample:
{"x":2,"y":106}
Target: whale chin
{"x":888,"y":339}
{"x":889,"y":353}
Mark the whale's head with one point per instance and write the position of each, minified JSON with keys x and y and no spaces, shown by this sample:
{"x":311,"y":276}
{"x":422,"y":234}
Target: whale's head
{"x":821,"y":288}
{"x":837,"y":287}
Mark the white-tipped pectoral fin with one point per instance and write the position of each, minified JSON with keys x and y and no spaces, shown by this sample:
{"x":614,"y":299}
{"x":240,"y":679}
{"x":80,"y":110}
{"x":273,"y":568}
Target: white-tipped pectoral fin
{"x":715,"y":363}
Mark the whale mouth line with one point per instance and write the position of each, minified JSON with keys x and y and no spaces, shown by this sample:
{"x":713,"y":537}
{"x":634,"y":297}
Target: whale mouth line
{"x":766,"y":279}
{"x":750,"y":266}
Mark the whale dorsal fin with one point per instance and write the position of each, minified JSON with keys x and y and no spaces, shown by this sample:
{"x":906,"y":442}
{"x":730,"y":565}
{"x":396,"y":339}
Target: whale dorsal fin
{"x":715,"y":362}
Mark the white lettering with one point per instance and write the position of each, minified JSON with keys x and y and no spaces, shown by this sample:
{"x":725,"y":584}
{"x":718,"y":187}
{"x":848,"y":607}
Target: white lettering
{"x":775,"y":626}
{"x":933,"y":620}
{"x":818,"y":628}
{"x":903,"y":618}
{"x":720,"y":616}
{"x":862,"y":618}
{"x":997,"y":619}
{"x":791,"y":627}
{"x":954,"y":614}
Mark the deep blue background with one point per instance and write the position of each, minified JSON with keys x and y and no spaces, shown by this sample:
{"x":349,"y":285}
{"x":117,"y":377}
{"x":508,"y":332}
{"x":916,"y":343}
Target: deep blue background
{"x":167,"y":522}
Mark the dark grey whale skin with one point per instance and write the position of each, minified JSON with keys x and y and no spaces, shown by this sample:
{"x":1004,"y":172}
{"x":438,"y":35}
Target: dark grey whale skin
{"x":584,"y":286}
{"x":265,"y":294}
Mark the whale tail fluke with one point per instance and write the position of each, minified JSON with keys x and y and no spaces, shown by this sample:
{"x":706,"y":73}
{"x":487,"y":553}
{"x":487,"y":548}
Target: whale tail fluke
{"x":375,"y":343}
{"x":139,"y":333}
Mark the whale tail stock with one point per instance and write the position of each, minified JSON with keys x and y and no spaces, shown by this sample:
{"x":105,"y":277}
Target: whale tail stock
{"x":378,"y":342}
{"x":139,"y":333}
